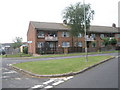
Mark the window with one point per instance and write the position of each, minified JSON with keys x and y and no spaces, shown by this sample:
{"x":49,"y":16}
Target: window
{"x":40,"y":44}
{"x":93,"y":35}
{"x":41,"y":34}
{"x":118,"y":35}
{"x":80,"y":35}
{"x":79,"y":44}
{"x":65,"y":34}
{"x":102,"y":36}
{"x":66,"y":44}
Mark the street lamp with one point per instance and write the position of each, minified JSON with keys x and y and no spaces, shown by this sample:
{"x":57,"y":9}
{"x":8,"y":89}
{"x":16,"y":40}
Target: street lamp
{"x":85,"y":33}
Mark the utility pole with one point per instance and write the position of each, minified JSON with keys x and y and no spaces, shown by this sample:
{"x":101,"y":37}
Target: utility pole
{"x":86,"y":56}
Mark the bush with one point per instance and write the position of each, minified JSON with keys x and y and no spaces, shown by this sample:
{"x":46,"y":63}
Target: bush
{"x":25,"y":50}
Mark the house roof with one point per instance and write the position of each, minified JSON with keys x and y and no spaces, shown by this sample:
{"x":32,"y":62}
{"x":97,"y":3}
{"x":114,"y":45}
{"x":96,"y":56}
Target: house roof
{"x":61,"y":26}
{"x":103,"y":29}
{"x":49,"y":26}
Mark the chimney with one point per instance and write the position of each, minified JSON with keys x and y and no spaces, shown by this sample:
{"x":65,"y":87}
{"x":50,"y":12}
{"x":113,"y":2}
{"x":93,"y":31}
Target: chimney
{"x":114,"y":25}
{"x":65,"y":22}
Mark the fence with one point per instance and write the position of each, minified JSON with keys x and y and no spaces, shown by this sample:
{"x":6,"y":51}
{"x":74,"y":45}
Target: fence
{"x":62,"y":50}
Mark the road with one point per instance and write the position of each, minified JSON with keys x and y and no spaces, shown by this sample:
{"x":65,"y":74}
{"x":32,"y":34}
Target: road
{"x":92,"y":78}
{"x":101,"y":76}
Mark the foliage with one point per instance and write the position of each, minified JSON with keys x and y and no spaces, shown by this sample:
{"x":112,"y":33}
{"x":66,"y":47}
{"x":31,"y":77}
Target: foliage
{"x":109,"y":41}
{"x":17,"y":42}
{"x":113,"y":41}
{"x":106,"y":41}
{"x":74,"y":14}
{"x":25,"y":50}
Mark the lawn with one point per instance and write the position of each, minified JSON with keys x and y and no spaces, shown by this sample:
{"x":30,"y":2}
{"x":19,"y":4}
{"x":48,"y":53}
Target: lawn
{"x":16,"y":55}
{"x":73,"y":54}
{"x":60,"y":66}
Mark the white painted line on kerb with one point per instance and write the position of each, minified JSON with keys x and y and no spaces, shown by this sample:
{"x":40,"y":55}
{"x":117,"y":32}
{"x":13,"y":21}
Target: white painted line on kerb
{"x":56,"y":83}
{"x":69,"y":77}
{"x":48,"y":87}
{"x":37,"y":86}
{"x":51,"y":80}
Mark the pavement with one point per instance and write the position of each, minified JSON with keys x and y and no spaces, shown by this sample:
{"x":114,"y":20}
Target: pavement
{"x":13,"y":79}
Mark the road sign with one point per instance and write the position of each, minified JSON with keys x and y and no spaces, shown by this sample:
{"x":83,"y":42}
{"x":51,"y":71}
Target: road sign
{"x":29,"y":41}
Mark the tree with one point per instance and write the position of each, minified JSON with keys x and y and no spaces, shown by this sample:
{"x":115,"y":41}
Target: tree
{"x":113,"y":41}
{"x":74,"y":15}
{"x":106,"y":41}
{"x":109,"y":41}
{"x":17,"y":42}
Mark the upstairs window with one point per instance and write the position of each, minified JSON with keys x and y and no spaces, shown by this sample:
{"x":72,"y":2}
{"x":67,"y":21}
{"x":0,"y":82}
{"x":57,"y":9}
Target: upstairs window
{"x":79,"y":35}
{"x":102,"y":36}
{"x":41,"y":34}
{"x":118,"y":35}
{"x":66,"y":44}
{"x":65,"y":34}
{"x":93,"y":35}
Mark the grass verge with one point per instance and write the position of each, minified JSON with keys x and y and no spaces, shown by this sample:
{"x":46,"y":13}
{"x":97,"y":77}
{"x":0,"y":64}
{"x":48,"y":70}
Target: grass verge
{"x":60,"y":66}
{"x":16,"y":55}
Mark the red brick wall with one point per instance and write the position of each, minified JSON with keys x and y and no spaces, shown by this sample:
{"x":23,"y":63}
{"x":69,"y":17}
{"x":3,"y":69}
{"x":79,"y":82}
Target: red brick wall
{"x":31,"y":36}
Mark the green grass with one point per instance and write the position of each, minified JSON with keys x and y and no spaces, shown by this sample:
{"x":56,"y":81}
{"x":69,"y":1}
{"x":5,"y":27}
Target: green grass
{"x":72,"y":54}
{"x":16,"y":55}
{"x":60,"y":66}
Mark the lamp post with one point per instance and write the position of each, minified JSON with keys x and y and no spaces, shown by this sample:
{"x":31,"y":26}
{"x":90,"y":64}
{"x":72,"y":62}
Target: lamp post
{"x":86,"y":56}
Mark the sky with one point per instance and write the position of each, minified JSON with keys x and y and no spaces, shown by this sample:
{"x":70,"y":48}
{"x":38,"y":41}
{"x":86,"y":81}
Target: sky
{"x":15,"y":15}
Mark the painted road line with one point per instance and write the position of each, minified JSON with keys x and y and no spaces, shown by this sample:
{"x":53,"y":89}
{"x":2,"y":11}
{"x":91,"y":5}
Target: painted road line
{"x":5,"y":77}
{"x":51,"y":80}
{"x":56,"y":83}
{"x":4,"y":69}
{"x":69,"y":77}
{"x":9,"y":72}
{"x":38,"y":86}
{"x":48,"y":87}
{"x":18,"y":78}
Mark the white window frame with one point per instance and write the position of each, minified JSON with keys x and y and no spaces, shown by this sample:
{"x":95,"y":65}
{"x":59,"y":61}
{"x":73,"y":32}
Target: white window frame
{"x":41,"y":34}
{"x":79,"y":35}
{"x":65,"y":44}
{"x":79,"y":44}
{"x":65,"y":34}
{"x":93,"y":35}
{"x":102,"y":35}
{"x":40,"y":44}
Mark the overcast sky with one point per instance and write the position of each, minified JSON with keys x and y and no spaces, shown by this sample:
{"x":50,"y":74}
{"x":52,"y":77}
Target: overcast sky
{"x":16,"y":14}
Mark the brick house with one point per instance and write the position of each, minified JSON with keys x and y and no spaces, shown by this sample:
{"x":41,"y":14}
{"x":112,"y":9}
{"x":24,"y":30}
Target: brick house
{"x":47,"y":37}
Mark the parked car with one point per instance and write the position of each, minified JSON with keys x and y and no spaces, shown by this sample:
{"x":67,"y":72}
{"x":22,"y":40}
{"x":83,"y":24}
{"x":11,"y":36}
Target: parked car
{"x":2,"y":52}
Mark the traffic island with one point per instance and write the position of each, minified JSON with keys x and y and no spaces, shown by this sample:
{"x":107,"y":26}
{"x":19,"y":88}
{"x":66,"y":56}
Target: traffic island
{"x":68,"y":67}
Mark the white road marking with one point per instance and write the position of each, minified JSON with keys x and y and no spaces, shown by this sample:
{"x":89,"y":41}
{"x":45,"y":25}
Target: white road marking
{"x":56,"y":83}
{"x":9,"y":72}
{"x":48,"y":87}
{"x":38,"y":86}
{"x":4,"y":69}
{"x":18,"y":78}
{"x":51,"y":80}
{"x":69,"y":77}
{"x":5,"y":76}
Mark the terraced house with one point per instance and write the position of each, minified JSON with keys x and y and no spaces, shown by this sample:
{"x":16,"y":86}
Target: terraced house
{"x":47,"y":37}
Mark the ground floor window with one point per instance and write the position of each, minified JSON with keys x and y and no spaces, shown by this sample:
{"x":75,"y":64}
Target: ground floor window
{"x":65,"y":44}
{"x":40,"y":44}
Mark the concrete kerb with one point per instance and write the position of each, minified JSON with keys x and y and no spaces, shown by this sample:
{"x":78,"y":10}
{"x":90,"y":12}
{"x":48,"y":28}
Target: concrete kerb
{"x":56,"y":75}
